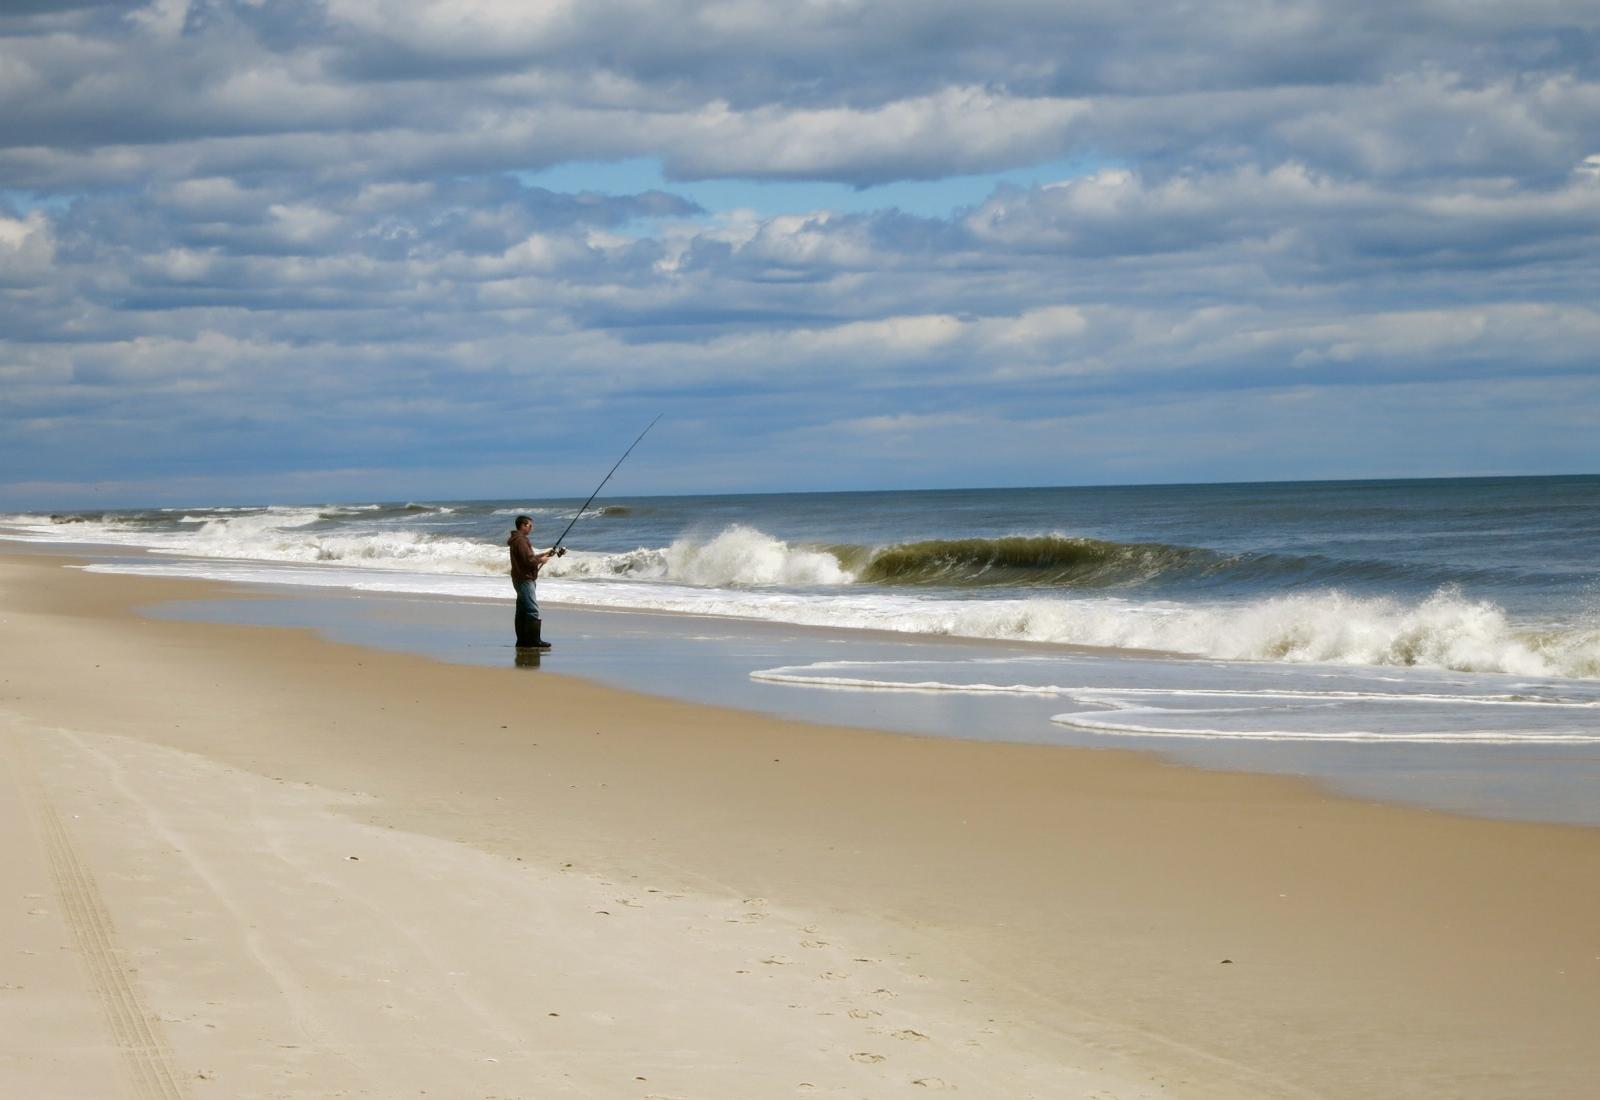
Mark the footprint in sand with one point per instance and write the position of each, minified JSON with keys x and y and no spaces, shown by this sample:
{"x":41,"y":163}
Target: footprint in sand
{"x":866,"y":1057}
{"x":775,"y":960}
{"x":886,"y":994}
{"x":833,"y":976}
{"x":932,"y":1082}
{"x":814,"y":944}
{"x":908,"y":1033}
{"x":864,"y":1013}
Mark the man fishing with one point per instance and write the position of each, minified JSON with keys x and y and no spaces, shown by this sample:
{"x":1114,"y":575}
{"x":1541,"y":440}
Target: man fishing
{"x":525,"y":564}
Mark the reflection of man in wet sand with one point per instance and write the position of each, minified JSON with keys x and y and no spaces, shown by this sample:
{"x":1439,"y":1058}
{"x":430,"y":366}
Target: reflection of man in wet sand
{"x":525,"y":563}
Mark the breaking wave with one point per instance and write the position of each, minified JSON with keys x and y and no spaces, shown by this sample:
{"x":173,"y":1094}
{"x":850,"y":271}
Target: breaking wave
{"x":744,"y":556}
{"x":1024,"y":560}
{"x":1445,"y":630}
{"x":738,"y":557}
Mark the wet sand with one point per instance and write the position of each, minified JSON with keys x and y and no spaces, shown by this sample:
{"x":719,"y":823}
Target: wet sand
{"x":244,"y":861}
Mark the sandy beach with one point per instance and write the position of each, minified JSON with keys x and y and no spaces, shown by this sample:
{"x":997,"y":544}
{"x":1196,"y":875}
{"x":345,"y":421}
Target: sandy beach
{"x":250,"y":862}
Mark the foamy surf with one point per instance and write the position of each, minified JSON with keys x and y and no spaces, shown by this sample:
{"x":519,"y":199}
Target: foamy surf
{"x":1446,"y":632}
{"x":744,"y":573}
{"x":1403,"y":598}
{"x":1414,"y":710}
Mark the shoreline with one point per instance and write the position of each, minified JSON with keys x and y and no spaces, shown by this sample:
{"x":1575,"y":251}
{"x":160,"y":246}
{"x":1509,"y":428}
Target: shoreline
{"x":712,"y":659}
{"x":1078,"y":902}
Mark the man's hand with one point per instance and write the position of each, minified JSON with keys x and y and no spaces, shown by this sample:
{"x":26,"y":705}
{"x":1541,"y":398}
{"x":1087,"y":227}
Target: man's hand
{"x":561,"y":551}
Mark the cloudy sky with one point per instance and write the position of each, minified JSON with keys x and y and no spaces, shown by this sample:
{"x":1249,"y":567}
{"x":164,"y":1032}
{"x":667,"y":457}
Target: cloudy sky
{"x":298,"y":250}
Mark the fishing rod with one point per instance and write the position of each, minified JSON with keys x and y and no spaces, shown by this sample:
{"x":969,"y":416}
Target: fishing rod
{"x":605,"y":479}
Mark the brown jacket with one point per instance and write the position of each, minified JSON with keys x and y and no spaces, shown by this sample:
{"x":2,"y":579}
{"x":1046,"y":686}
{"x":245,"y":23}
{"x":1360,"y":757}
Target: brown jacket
{"x":524,"y":565}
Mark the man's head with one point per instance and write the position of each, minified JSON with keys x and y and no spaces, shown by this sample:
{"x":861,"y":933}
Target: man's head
{"x":524,"y":524}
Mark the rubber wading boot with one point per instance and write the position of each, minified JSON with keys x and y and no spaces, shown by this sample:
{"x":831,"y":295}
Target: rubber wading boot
{"x":539,"y":642}
{"x":527,"y":631}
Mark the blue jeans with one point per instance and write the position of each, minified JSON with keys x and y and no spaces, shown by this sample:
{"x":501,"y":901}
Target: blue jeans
{"x":527,"y":599}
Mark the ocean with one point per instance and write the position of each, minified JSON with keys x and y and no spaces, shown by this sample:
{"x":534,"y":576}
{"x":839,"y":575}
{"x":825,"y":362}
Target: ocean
{"x":1405,"y":616}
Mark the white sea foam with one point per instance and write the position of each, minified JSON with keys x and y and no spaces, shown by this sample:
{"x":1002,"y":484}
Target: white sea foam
{"x":744,"y":556}
{"x":317,"y":575}
{"x":1391,"y":717}
{"x":814,"y":676}
{"x":739,"y":557}
{"x":1445,"y":632}
{"x":110,"y":532}
{"x":400,"y":549}
{"x":1124,"y":727}
{"x":532,"y":510}
{"x":238,"y":529}
{"x":1254,"y":712}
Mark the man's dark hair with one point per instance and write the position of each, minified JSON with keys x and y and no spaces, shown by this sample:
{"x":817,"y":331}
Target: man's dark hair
{"x":521,"y":520}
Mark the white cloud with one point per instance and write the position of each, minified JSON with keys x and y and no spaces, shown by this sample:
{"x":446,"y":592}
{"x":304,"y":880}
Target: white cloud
{"x":27,"y":249}
{"x":1500,"y":333}
{"x":161,"y":18}
{"x":958,"y":129}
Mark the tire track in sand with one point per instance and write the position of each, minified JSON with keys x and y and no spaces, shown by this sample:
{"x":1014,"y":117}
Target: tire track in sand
{"x":137,"y":1034}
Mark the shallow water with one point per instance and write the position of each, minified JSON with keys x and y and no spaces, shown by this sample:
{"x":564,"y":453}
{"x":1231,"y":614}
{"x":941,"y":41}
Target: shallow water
{"x":1076,"y":698}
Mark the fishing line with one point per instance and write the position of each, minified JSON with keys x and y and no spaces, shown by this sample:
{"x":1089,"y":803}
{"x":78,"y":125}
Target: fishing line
{"x":605,"y":479}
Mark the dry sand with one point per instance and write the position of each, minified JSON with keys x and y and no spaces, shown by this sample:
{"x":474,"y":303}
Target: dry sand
{"x":246,"y":862}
